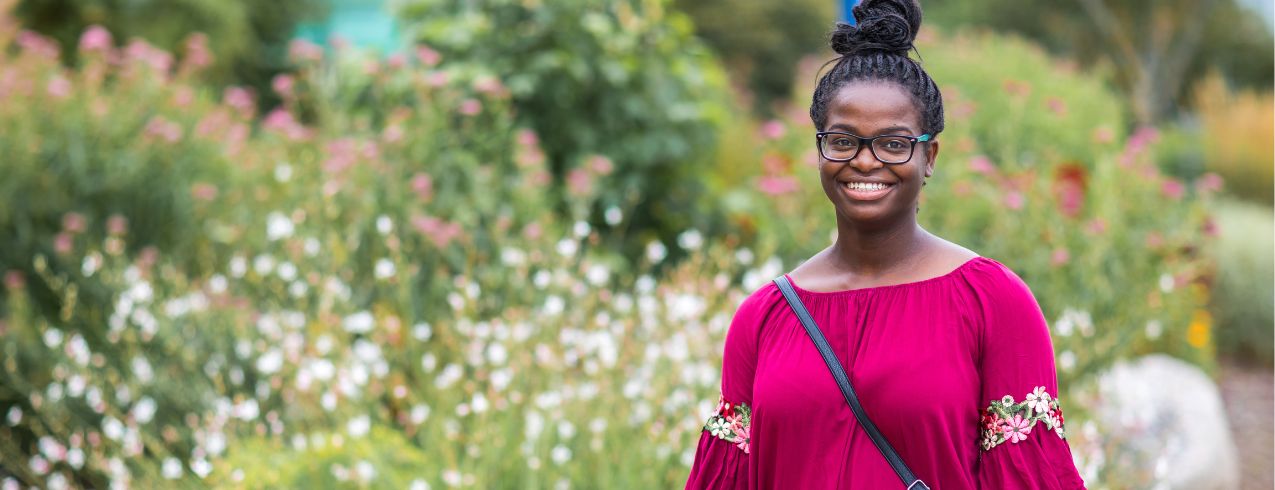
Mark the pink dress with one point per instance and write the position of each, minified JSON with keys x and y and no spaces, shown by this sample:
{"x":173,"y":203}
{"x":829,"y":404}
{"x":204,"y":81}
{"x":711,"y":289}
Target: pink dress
{"x":957,"y":371}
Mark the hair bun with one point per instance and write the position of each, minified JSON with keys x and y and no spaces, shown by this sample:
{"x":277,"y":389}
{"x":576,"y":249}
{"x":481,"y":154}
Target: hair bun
{"x":887,"y":26}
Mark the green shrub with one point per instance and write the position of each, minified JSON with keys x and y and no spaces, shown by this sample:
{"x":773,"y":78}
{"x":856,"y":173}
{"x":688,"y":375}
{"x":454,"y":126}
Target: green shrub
{"x":1244,"y":285}
{"x":624,"y":79}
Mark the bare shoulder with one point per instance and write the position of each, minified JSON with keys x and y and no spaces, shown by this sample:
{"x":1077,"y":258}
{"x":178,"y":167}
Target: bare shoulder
{"x":949,"y":255}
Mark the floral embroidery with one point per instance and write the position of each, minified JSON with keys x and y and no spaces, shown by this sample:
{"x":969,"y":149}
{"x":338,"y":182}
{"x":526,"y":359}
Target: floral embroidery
{"x":731,"y":423}
{"x":1005,"y":420}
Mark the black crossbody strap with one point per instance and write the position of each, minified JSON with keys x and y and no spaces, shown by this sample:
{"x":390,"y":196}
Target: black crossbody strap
{"x":891,"y":456}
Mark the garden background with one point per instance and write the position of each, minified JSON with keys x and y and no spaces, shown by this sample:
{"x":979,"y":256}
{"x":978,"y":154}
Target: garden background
{"x":501,"y":249}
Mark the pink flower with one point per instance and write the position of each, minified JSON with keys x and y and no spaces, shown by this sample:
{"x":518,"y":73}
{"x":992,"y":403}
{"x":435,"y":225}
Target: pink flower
{"x":527,"y":137}
{"x":436,"y":79}
{"x":38,"y":45}
{"x":773,"y":129}
{"x":240,"y":99}
{"x":183,"y":96}
{"x":282,"y":85}
{"x":203,"y":191}
{"x":488,"y":85}
{"x":392,"y":134}
{"x":1016,"y":428}
{"x":300,"y":50}
{"x":157,"y":59}
{"x":1209,"y":182}
{"x":983,"y":165}
{"x":741,"y":435}
{"x":470,"y":107}
{"x":95,"y":38}
{"x":116,"y":224}
{"x":13,"y":280}
{"x":1096,"y":226}
{"x":427,"y":56}
{"x":1018,"y":88}
{"x":1154,"y":240}
{"x":1014,"y":200}
{"x":1059,"y":257}
{"x":423,"y":185}
{"x":59,"y":87}
{"x":439,"y":231}
{"x":579,"y":182}
{"x":777,"y":185}
{"x":197,"y":52}
{"x":601,"y":165}
{"x":73,"y":222}
{"x":1103,"y":135}
{"x":1056,"y":105}
{"x":532,"y":231}
{"x":1173,"y":189}
{"x":62,"y":243}
{"x":164,"y":129}
{"x":396,"y":61}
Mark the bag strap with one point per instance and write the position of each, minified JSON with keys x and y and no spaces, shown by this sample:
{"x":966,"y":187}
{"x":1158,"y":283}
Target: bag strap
{"x":891,"y":456}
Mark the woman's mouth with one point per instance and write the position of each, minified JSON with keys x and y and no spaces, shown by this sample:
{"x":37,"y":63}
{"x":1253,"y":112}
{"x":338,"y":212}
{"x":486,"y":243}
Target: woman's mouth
{"x":866,"y":191}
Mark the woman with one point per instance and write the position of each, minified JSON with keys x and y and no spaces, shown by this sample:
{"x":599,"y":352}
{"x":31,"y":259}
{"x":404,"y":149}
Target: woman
{"x":948,"y":351}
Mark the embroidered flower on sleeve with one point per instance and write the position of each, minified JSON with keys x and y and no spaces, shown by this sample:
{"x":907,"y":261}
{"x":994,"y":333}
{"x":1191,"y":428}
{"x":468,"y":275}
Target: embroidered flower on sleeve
{"x":731,"y":423}
{"x":1005,"y":420}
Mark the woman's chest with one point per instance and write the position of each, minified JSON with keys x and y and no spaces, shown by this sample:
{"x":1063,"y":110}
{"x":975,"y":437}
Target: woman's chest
{"x":906,"y":367}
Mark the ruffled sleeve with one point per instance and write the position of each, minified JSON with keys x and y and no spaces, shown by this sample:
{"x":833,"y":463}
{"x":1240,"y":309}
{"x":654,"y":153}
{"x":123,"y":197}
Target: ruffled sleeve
{"x":1022,"y":436}
{"x":721,"y":459}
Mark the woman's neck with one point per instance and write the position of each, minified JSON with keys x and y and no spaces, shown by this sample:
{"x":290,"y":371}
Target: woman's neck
{"x":874,"y":252}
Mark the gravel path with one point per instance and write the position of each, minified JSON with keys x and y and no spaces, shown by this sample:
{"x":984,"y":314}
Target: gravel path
{"x":1249,"y":395}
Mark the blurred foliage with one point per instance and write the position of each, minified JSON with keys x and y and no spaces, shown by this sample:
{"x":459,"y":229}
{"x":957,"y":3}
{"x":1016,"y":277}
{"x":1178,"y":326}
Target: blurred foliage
{"x":1244,"y":284}
{"x":112,"y":138}
{"x":1156,"y":51}
{"x":250,"y":37}
{"x":762,"y":42}
{"x":625,"y":79}
{"x":1237,"y":128}
{"x":383,"y":270}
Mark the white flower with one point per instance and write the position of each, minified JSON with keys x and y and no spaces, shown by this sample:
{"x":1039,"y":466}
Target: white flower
{"x":580,"y":229}
{"x":1038,"y":400}
{"x":270,"y":362}
{"x":360,"y":322}
{"x":278,"y":226}
{"x":238,"y":266}
{"x":384,"y":224}
{"x":144,"y":411}
{"x":172,"y":468}
{"x":720,"y":428}
{"x":568,"y":247}
{"x":422,"y":331}
{"x":358,"y":426}
{"x":384,"y":268}
{"x":419,"y":484}
{"x":1154,"y":329}
{"x":655,"y":252}
{"x":560,"y":454}
{"x":613,"y":216}
{"x":263,"y":264}
{"x":690,"y":239}
{"x":283,"y":172}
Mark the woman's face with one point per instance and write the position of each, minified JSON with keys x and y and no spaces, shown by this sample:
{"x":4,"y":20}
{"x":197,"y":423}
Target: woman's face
{"x":868,"y":109}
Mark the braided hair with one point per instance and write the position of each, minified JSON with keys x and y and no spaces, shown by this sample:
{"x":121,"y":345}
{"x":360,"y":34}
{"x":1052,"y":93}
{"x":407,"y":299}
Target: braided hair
{"x":877,"y":49}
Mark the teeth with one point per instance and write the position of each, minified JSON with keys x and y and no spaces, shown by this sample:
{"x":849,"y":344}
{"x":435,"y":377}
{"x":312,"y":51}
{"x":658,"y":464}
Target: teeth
{"x":865,"y":186}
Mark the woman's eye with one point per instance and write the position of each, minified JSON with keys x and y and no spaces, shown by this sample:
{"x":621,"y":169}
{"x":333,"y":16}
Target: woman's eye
{"x":842,"y":142}
{"x":894,"y":145}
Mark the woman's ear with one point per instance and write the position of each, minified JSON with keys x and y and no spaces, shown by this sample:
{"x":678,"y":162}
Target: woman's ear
{"x":931,"y":154}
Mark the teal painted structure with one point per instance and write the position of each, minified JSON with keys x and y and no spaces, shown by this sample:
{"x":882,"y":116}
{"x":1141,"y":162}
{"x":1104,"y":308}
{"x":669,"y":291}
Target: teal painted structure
{"x":366,"y":24}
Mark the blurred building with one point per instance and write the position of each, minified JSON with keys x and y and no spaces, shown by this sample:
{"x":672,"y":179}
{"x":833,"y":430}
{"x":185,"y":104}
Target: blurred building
{"x":367,"y":24}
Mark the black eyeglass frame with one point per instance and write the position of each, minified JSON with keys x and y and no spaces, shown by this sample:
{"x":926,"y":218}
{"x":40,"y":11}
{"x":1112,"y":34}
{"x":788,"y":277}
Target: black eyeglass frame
{"x":819,"y":137}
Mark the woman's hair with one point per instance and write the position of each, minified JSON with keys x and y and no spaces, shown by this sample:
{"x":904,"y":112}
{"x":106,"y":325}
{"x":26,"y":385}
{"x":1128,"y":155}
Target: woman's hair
{"x":877,"y":49}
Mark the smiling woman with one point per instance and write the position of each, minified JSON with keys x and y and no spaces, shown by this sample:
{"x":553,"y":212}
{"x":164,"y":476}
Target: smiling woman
{"x":948,"y":351}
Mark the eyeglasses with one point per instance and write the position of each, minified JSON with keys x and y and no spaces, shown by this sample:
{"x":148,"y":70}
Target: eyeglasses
{"x":837,"y":146}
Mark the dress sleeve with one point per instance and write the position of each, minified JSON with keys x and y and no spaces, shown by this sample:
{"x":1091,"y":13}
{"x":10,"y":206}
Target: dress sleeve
{"x":721,"y":459}
{"x":1022,"y":440}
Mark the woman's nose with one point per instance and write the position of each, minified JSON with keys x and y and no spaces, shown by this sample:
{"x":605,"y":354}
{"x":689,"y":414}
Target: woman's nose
{"x":865,"y":161}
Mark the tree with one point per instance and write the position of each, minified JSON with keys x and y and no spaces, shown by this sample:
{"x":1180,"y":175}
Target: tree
{"x":1156,"y":50}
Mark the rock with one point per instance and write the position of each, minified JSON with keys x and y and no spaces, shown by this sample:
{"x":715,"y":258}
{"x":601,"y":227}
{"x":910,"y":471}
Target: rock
{"x":1157,"y":422}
